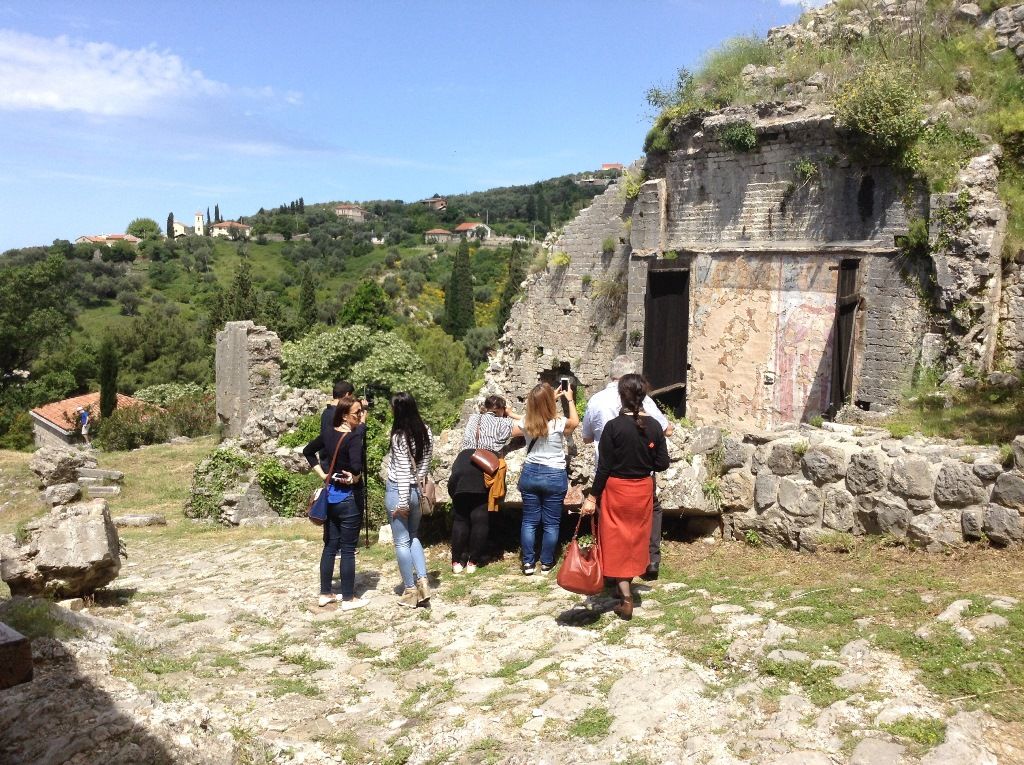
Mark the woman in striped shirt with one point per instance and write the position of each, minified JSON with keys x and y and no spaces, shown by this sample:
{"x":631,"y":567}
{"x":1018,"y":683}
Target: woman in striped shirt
{"x":411,"y":450}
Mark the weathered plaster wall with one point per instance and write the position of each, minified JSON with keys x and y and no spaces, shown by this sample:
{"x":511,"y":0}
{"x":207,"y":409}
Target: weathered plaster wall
{"x":760,"y":338}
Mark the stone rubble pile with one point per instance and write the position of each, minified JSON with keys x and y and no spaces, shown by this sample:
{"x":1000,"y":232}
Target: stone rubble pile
{"x":65,"y":472}
{"x":72,"y":551}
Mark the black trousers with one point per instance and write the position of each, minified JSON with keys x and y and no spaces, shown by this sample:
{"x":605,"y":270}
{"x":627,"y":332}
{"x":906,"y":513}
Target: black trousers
{"x":655,"y":547}
{"x":469,"y":527}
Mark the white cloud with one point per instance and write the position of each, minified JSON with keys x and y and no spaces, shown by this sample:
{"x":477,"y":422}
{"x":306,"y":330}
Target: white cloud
{"x":60,"y":74}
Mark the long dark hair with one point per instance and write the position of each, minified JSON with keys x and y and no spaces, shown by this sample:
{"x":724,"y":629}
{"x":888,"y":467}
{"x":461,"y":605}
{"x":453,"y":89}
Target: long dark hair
{"x":341,"y":409}
{"x":408,"y":425}
{"x":632,"y":391}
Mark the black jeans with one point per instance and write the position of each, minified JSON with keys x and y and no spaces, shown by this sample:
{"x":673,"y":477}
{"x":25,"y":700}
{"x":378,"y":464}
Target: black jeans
{"x":655,"y":547}
{"x":469,"y":527}
{"x":341,"y":532}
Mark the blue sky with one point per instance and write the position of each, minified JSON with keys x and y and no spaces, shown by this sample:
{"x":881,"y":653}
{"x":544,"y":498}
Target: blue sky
{"x":115,"y":110}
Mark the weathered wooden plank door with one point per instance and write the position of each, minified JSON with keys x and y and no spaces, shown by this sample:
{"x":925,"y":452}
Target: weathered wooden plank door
{"x":847,"y":300}
{"x":666,"y":333}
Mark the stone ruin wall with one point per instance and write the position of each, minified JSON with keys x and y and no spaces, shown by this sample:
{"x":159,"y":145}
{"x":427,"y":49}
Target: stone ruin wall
{"x":248,"y":369}
{"x":763,"y":247}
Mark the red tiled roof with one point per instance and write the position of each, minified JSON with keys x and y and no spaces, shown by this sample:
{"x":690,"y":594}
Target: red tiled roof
{"x":439,"y":231}
{"x":230,"y":224}
{"x":62,"y":413}
{"x":612,"y":166}
{"x":468,"y":226}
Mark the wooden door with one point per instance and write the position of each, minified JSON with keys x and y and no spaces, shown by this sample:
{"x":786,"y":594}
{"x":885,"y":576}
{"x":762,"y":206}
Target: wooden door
{"x":666,"y":331}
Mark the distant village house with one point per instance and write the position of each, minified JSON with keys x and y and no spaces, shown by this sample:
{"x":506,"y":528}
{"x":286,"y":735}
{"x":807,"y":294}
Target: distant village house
{"x":56,"y":423}
{"x":353,"y":213}
{"x":436,"y":202}
{"x":108,"y":240}
{"x":231,"y":229}
{"x":474,"y":230}
{"x":197,"y":229}
{"x":437,"y":236}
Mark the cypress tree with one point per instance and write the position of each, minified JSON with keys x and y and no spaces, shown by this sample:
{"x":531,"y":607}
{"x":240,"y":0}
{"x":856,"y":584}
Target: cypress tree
{"x":458,"y":297}
{"x":307,"y":300}
{"x":170,"y":225}
{"x":216,"y":214}
{"x":108,"y":376}
{"x":302,"y":205}
{"x":242,"y":302}
{"x":516,"y":274}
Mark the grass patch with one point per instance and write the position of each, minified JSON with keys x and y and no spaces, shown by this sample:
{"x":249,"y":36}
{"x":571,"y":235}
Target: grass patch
{"x":145,"y":668}
{"x":279,"y":686}
{"x":489,"y":750}
{"x":34,"y":619}
{"x":307,"y":662}
{"x":410,"y":656}
{"x":512,"y":667}
{"x":185,"y":617}
{"x":594,"y":723}
{"x":926,"y":732}
{"x":985,"y":415}
{"x":816,"y":684}
{"x":226,"y":661}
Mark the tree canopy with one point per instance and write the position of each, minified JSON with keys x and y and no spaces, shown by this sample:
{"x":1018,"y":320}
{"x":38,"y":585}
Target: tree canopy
{"x":144,"y":228}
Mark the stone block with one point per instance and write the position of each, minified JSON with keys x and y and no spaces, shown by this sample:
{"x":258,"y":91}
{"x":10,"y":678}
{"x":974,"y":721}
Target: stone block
{"x":61,"y":493}
{"x":912,"y":477}
{"x":1018,"y":452}
{"x":251,"y":504}
{"x":1002,"y":525}
{"x":737,"y":489}
{"x":783,"y":459}
{"x":136,"y":521}
{"x":935,"y":531}
{"x":988,"y":471}
{"x":886,"y":514}
{"x":868,"y":473}
{"x":972,"y":522}
{"x":958,"y":486}
{"x":103,"y":491}
{"x":838,"y":508}
{"x":1009,"y":491}
{"x":103,"y":475}
{"x":736,"y":454}
{"x":55,"y":464}
{"x":766,"y":490}
{"x":705,"y":440}
{"x":72,"y":551}
{"x":15,"y":658}
{"x":824,"y":464}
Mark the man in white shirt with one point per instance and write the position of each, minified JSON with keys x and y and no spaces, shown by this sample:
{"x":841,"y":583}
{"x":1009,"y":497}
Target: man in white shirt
{"x":604,"y":407}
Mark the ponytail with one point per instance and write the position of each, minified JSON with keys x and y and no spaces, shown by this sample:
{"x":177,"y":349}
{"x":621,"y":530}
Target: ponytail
{"x":632,"y":391}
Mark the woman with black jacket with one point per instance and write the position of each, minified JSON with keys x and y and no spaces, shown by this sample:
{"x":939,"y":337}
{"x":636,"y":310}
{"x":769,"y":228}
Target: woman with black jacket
{"x":341,"y":529}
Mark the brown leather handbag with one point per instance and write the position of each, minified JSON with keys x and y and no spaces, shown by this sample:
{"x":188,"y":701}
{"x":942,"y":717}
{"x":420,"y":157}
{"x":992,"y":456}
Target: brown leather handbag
{"x":580,"y":571}
{"x":484,"y":459}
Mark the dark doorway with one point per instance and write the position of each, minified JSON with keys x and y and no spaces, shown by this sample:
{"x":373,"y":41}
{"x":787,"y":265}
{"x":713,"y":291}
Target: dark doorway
{"x":847,"y":300}
{"x":666,"y":330}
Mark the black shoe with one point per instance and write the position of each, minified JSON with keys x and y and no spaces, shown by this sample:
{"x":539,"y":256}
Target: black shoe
{"x":650,"y":575}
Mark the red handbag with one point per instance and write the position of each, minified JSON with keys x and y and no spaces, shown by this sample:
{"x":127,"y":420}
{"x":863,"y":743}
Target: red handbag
{"x":580,"y":571}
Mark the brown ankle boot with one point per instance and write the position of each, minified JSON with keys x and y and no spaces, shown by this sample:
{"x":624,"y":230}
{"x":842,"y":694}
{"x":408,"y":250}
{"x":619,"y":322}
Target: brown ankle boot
{"x":624,"y":608}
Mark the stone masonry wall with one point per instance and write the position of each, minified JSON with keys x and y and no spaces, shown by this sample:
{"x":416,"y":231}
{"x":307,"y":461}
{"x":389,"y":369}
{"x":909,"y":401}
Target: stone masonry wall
{"x":570,"y":317}
{"x":248,"y":369}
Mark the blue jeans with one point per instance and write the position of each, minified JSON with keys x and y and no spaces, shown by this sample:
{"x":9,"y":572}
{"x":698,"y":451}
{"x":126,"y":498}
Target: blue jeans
{"x":411,"y":562}
{"x":543,"y":490}
{"x":341,"y":532}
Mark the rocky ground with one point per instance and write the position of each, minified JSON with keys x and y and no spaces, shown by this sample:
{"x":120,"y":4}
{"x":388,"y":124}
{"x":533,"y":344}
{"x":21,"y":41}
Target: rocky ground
{"x":209,"y":648}
{"x":224,"y":658}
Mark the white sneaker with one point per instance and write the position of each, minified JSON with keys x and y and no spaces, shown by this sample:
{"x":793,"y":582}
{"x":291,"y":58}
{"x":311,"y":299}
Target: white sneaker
{"x":457,"y":568}
{"x":352,"y":605}
{"x":326,"y":600}
{"x":470,"y":568}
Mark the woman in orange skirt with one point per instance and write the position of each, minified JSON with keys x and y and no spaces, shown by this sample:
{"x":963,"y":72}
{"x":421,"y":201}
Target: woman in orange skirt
{"x":632,"y":449}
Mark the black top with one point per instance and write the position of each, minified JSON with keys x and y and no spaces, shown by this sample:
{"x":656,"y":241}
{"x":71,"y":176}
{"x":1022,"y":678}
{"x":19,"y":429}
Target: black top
{"x":350,"y":456}
{"x":625,"y":454}
{"x":466,"y":478}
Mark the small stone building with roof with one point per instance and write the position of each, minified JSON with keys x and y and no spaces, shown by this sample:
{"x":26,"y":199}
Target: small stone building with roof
{"x":56,"y":423}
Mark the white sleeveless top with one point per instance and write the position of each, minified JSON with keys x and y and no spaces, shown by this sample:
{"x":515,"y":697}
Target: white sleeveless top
{"x":549,"y":450}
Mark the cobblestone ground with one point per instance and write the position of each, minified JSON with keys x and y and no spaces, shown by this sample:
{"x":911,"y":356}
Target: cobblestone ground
{"x":211,"y":649}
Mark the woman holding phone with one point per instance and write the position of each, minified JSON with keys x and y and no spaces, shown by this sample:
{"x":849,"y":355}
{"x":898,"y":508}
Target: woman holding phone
{"x":341,"y":529}
{"x":544,"y":482}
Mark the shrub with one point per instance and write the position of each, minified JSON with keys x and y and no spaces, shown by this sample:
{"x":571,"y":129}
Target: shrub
{"x":882,"y":109}
{"x":306,"y":429}
{"x":223,"y":469}
{"x":130,"y":427}
{"x":191,"y":416}
{"x":19,"y":433}
{"x":631,"y":183}
{"x":560,"y":259}
{"x":806,"y":170}
{"x":608,"y":245}
{"x":165,"y":393}
{"x":286,"y":492}
{"x":539,"y":263}
{"x":739,"y":136}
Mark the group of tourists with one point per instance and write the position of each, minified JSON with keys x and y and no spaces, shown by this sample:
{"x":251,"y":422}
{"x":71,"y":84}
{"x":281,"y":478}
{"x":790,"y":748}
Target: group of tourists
{"x":622,"y":421}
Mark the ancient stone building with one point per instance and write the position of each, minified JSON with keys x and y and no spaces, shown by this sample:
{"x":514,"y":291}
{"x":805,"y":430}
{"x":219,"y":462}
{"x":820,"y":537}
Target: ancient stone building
{"x":765,"y":286}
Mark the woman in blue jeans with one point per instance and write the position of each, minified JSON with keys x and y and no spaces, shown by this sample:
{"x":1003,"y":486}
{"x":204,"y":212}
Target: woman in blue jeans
{"x":411,"y":450}
{"x":341,"y":529}
{"x":544,"y":482}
